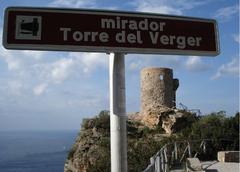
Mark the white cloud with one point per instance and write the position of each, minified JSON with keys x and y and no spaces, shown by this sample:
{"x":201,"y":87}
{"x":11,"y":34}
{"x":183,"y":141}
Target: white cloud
{"x":90,"y":61}
{"x":56,"y":72}
{"x":229,"y":69}
{"x":236,"y":37}
{"x":12,"y":62}
{"x":39,"y":89}
{"x":226,"y":13}
{"x":61,"y":69}
{"x":20,"y":60}
{"x":51,"y":73}
{"x":36,"y":55}
{"x":147,"y":6}
{"x":195,"y":64}
{"x":167,"y":6}
{"x":10,"y":57}
{"x":37,"y":65}
{"x":74,"y":3}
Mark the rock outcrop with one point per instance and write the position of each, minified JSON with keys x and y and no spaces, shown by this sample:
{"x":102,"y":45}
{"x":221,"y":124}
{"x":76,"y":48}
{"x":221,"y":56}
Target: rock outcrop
{"x":91,"y":149}
{"x":171,"y":120}
{"x":175,"y":120}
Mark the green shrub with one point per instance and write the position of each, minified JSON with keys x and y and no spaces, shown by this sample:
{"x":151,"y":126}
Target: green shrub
{"x":102,"y":121}
{"x":103,"y":163}
{"x":221,"y":130}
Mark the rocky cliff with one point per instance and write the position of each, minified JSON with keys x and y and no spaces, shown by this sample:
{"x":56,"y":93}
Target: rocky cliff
{"x":169,"y":119}
{"x":146,"y":135}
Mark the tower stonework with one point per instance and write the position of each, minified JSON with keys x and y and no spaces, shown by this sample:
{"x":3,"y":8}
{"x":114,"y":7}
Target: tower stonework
{"x":158,"y":89}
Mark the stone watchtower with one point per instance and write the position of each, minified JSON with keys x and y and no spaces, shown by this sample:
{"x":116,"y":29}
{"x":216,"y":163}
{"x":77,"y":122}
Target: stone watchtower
{"x":158,"y":89}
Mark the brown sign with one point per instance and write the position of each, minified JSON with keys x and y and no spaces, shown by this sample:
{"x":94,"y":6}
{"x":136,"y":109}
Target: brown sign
{"x":108,"y":31}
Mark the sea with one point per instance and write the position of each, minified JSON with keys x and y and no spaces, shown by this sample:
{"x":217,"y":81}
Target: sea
{"x":35,"y":151}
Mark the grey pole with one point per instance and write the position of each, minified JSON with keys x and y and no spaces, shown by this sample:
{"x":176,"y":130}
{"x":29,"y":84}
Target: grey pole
{"x":118,"y":115}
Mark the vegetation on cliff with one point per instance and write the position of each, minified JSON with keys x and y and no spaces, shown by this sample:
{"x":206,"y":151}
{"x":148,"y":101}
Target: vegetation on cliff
{"x":91,"y":152}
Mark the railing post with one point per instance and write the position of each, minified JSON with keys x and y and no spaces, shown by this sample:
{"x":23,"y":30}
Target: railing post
{"x":175,"y":151}
{"x":166,"y":160}
{"x":152,"y":162}
{"x":162,"y":161}
{"x":204,"y":146}
{"x":189,"y":150}
{"x":157,"y":164}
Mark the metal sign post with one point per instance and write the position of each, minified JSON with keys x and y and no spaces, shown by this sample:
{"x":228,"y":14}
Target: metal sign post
{"x":118,"y":115}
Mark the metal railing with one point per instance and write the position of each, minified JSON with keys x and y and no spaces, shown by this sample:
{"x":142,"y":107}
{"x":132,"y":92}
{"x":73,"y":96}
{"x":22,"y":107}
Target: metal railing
{"x":174,"y":155}
{"x":159,"y":162}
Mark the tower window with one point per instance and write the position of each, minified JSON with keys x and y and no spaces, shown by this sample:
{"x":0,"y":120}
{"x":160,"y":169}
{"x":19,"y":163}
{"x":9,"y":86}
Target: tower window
{"x":161,"y":77}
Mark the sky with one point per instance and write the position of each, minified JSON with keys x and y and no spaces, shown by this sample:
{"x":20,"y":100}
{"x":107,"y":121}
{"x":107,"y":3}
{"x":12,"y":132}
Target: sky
{"x":42,"y":90}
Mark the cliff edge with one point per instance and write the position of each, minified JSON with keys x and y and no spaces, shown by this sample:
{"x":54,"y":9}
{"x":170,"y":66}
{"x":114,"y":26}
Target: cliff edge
{"x":91,"y":150}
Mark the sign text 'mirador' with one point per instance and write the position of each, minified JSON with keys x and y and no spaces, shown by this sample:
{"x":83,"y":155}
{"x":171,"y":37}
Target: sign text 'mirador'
{"x":144,"y":24}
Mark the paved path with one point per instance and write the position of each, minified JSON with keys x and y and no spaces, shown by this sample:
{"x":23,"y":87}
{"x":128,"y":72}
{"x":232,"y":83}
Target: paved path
{"x":215,"y":166}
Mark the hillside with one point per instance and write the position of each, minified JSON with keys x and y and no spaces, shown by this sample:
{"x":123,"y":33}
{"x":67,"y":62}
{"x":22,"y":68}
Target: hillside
{"x":91,"y":150}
